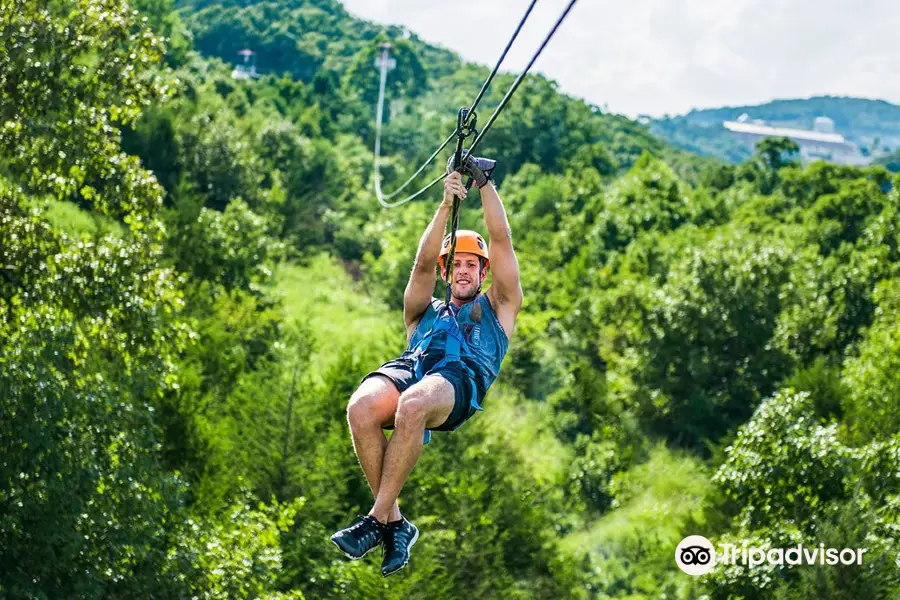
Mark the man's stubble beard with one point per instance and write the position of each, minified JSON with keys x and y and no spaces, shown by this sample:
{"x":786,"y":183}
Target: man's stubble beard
{"x":470,"y":296}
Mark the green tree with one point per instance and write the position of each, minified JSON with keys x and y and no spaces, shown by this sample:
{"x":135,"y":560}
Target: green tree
{"x":90,"y":329}
{"x":871,"y":372}
{"x":777,"y":152}
{"x":791,"y":480}
{"x":698,"y":351}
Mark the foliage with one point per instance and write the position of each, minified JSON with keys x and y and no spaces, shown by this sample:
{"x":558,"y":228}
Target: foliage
{"x":890,"y":161}
{"x":628,"y":552}
{"x":407,"y":77}
{"x":68,"y":74}
{"x":761,"y":473}
{"x":871,"y":373}
{"x":791,"y":480}
{"x":239,"y":554}
{"x":296,"y":37}
{"x":194,"y":277}
{"x":91,"y":328}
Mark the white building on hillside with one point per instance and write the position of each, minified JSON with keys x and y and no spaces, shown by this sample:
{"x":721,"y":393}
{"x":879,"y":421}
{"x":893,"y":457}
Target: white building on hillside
{"x":821,"y":143}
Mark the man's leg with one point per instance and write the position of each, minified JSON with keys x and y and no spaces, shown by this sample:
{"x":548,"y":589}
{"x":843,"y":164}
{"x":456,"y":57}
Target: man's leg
{"x":425,"y":404}
{"x":372,"y":405}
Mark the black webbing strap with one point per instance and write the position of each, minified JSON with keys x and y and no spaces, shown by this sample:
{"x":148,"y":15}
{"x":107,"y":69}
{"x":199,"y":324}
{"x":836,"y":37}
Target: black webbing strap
{"x":465,"y":126}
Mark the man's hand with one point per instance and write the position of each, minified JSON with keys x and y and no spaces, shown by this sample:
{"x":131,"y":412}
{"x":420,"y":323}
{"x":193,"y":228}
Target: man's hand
{"x":453,"y":186}
{"x":479,"y":169}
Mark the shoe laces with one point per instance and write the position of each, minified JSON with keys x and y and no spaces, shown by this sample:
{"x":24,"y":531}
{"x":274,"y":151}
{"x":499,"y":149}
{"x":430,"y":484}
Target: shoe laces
{"x":399,"y":534}
{"x":367,"y":521}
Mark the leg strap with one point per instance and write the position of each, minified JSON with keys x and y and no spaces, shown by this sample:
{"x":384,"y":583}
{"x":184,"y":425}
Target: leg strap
{"x":453,"y":346}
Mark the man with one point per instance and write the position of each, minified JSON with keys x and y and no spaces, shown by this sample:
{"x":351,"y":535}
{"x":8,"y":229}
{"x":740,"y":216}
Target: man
{"x":453,"y":356}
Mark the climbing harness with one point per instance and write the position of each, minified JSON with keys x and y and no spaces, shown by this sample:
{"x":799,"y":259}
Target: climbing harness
{"x":455,"y":347}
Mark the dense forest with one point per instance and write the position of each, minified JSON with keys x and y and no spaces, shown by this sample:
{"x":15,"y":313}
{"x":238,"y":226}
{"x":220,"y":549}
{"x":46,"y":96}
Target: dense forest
{"x":874,"y":125}
{"x":195,"y":274}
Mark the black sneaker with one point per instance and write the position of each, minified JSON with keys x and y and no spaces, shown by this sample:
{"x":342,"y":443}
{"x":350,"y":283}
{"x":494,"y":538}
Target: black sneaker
{"x":399,"y":538}
{"x":365,"y":534}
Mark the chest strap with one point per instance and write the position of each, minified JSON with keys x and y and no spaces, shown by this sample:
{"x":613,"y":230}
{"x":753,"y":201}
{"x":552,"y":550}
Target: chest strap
{"x":455,"y":347}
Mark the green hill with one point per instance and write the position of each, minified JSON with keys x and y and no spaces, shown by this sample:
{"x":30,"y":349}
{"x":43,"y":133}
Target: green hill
{"x":874,"y":125}
{"x":306,"y":39}
{"x":298,"y":37}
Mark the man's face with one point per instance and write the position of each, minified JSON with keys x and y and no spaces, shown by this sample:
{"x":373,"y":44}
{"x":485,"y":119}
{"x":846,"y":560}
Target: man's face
{"x":467,"y":276}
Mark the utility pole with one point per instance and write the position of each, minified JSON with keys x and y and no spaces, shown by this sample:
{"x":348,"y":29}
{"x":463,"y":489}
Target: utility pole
{"x":385,"y":63}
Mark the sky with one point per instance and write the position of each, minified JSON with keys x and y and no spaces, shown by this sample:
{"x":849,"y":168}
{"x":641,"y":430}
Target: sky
{"x":660,"y":57}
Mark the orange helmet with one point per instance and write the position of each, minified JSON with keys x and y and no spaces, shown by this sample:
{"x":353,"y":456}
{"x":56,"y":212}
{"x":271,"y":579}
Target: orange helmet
{"x":466,"y":241}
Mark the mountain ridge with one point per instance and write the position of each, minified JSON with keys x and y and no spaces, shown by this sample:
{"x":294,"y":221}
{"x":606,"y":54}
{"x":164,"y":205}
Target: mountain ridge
{"x":872,"y":124}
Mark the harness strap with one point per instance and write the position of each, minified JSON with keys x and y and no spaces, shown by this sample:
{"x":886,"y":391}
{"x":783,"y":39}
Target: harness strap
{"x":456,"y":342}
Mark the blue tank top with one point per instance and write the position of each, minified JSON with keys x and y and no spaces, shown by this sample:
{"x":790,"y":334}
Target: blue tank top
{"x":483,"y":332}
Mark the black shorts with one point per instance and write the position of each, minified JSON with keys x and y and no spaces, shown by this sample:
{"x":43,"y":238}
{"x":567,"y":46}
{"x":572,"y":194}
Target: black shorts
{"x":402,"y":372}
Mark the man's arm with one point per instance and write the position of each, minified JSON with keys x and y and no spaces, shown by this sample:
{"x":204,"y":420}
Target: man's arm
{"x":506,"y":290}
{"x":420,"y":287}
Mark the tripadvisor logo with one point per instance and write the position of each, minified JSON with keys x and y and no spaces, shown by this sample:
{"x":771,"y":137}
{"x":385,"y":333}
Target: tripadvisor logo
{"x":695,"y":555}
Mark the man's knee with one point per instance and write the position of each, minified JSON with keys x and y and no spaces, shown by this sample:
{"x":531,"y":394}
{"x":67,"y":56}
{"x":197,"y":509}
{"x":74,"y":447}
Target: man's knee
{"x":412,"y":409}
{"x":424,"y":403}
{"x":371,"y":403}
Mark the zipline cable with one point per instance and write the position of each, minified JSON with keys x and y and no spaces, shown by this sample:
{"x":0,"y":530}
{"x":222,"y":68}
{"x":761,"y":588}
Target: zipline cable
{"x":412,"y":177}
{"x":465,"y":126}
{"x":422,"y":168}
{"x":462,"y":132}
{"x":509,"y":44}
{"x":519,"y":79}
{"x":382,"y":198}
